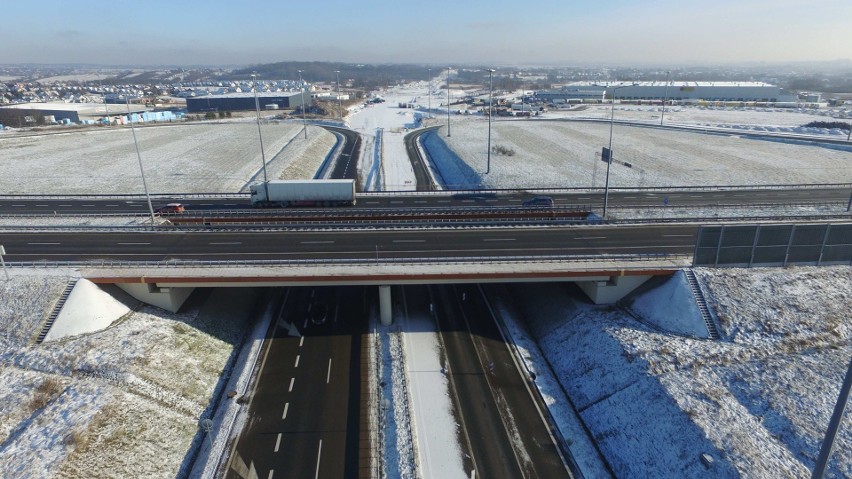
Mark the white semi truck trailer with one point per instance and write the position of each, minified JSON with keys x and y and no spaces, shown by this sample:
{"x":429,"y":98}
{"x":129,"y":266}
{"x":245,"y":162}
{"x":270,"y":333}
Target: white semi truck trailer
{"x":282,"y":193}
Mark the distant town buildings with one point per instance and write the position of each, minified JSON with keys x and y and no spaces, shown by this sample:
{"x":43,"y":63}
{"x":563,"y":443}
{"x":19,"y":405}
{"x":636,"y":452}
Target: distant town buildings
{"x":676,"y":91}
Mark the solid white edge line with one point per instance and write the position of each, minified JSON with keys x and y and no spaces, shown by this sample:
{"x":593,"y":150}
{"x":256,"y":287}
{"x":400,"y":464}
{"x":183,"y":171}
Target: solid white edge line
{"x":277,"y":442}
{"x":286,"y":408}
{"x":292,"y":381}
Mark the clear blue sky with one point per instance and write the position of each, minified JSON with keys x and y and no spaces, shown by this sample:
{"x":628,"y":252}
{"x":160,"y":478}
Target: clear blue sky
{"x":215,"y":32}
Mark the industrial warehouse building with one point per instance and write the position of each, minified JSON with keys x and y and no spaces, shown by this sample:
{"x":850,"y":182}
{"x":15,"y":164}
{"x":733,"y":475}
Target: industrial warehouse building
{"x":58,"y":112}
{"x":679,"y":91}
{"x":245,"y":101}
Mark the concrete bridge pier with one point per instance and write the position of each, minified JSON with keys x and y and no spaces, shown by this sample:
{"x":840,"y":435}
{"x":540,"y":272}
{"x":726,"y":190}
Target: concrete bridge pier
{"x":608,"y":292}
{"x":170,"y":299}
{"x":385,"y":307}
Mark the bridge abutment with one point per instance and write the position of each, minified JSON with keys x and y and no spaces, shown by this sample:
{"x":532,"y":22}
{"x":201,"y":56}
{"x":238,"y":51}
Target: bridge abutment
{"x":170,"y":299}
{"x":612,"y":290}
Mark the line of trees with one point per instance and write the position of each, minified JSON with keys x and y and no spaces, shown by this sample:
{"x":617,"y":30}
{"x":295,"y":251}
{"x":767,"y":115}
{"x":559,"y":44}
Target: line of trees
{"x":839,"y":125}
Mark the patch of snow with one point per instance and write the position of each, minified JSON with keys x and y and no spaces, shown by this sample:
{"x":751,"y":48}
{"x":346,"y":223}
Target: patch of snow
{"x":439,"y":453}
{"x":87,"y":309}
{"x":671,"y":307}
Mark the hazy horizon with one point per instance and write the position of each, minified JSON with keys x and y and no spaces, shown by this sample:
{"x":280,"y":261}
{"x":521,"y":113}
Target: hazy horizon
{"x":543,"y":32}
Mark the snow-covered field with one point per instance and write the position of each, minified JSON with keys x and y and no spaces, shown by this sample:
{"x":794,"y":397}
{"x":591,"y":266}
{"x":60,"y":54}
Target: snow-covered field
{"x":185,"y":158}
{"x":757,"y":401}
{"x":567,"y":154}
{"x":747,"y":118}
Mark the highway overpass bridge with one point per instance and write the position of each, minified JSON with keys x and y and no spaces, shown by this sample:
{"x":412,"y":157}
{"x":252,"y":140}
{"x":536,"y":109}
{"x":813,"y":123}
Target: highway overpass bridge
{"x":604,"y":280}
{"x":607,"y":260}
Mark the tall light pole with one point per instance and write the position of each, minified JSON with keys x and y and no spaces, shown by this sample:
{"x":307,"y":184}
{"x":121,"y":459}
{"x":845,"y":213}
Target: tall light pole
{"x":259,"y":135}
{"x":665,"y":98}
{"x":109,"y":122}
{"x":302,"y":91}
{"x":448,"y":101}
{"x":609,"y":150}
{"x":429,"y":70}
{"x":139,"y":157}
{"x":490,"y":108}
{"x":523,"y":94}
{"x":339,"y":101}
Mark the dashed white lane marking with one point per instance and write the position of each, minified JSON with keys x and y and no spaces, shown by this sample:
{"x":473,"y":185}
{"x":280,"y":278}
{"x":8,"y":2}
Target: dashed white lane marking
{"x":317,"y":242}
{"x":590,"y":237}
{"x":498,"y":239}
{"x":292,"y":381}
{"x":297,"y":361}
{"x":44,"y":243}
{"x":226,"y":242}
{"x":328,"y":375}
{"x":133,"y":243}
{"x":409,"y":241}
{"x":277,"y":442}
{"x":271,"y":471}
{"x":286,"y":407}
{"x":319,"y":456}
{"x":676,"y":236}
{"x":301,"y":341}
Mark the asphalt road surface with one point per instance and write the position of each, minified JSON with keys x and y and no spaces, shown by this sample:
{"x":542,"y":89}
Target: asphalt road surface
{"x":334,"y":245}
{"x":304,"y":411}
{"x":505,"y":433}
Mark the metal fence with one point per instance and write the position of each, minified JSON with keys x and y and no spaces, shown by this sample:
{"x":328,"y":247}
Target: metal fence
{"x":774,"y":245}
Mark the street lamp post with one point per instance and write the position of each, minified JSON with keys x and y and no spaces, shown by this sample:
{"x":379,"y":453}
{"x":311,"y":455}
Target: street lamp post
{"x":339,"y":101}
{"x":429,"y":70}
{"x":609,"y":150}
{"x":490,"y":112}
{"x":103,"y":92}
{"x":448,"y":101}
{"x":259,"y":134}
{"x":139,"y":157}
{"x":665,"y":98}
{"x":523,"y":94}
{"x":302,"y":91}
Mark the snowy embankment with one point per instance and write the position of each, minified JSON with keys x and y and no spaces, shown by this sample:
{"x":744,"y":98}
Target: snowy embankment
{"x":115,"y":399}
{"x":756,"y":402}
